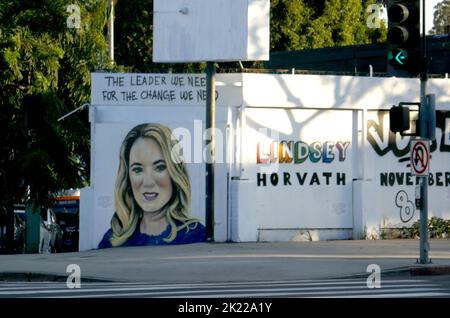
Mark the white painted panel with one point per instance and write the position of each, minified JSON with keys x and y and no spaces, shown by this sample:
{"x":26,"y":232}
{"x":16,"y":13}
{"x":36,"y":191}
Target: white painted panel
{"x":87,"y":222}
{"x":258,"y":26}
{"x":306,"y":108}
{"x":392,"y":186}
{"x":314,"y":91}
{"x":114,"y":89}
{"x":113,"y":123}
{"x":210,"y":30}
{"x":316,"y":191}
{"x":108,"y":138}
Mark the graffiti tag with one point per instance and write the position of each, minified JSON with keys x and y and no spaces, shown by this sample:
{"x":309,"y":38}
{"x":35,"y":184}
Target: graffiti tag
{"x":406,"y":206}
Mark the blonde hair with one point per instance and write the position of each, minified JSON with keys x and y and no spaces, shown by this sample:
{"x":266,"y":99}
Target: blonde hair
{"x":128,"y":213}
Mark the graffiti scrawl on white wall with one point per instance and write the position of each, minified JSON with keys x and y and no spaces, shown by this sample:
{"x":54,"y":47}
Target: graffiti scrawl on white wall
{"x":393,"y":170}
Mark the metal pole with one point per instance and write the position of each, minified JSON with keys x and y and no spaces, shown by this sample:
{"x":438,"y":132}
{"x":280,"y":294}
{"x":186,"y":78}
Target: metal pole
{"x":210,"y":160}
{"x":73,"y":112}
{"x":111,"y":30}
{"x":424,"y":244}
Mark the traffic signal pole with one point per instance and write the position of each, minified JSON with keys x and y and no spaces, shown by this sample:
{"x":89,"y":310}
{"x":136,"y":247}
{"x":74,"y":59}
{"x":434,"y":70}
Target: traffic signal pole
{"x":424,"y":243}
{"x":407,"y":57}
{"x":210,"y":159}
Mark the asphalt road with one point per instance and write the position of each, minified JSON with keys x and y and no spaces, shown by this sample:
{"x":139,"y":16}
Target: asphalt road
{"x":390,"y":286}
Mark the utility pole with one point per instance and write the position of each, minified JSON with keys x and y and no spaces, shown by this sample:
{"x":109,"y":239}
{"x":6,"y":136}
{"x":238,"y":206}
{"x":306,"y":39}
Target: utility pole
{"x":210,"y":157}
{"x":424,"y":243}
{"x":111,"y":30}
{"x":407,"y":56}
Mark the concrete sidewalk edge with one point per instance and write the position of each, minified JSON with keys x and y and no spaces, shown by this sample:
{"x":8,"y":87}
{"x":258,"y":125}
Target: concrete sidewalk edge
{"x":429,"y":269}
{"x":413,"y":270}
{"x":391,"y":271}
{"x":44,"y":277}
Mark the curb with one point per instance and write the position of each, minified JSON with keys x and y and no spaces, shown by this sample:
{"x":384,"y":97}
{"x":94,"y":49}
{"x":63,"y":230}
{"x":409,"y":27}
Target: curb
{"x":429,"y":270}
{"x":387,"y":272}
{"x":41,"y":277}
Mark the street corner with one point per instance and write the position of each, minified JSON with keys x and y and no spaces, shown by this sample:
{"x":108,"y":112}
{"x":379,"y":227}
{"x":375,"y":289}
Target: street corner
{"x":429,"y":269}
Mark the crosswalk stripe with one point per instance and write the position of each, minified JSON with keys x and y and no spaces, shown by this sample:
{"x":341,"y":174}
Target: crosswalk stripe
{"x":259,"y":293}
{"x":159,"y":289}
{"x":301,"y":288}
{"x":402,"y":295}
{"x":221,"y":292}
{"x":62,"y":285}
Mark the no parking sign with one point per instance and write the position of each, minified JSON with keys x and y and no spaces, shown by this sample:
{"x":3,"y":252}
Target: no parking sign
{"x":420,"y":157}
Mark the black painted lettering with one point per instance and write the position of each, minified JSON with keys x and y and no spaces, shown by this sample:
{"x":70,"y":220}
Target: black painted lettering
{"x":274,"y":179}
{"x":186,"y":95}
{"x":286,"y":178}
{"x":391,"y":178}
{"x":109,"y":95}
{"x":383,"y":179}
{"x":408,"y":179}
{"x":439,"y":181}
{"x":340,"y":178}
{"x":301,"y":179}
{"x":129,"y":96}
{"x":400,"y":177}
{"x":314,"y":179}
{"x":115,"y":80}
{"x":447,"y":179}
{"x":327,"y":176}
{"x":261,"y":178}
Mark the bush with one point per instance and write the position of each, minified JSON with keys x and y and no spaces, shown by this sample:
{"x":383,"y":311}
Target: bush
{"x":437,"y":228}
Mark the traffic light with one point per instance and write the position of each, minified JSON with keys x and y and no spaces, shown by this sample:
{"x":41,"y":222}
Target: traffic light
{"x":399,"y":119}
{"x":403,"y":38}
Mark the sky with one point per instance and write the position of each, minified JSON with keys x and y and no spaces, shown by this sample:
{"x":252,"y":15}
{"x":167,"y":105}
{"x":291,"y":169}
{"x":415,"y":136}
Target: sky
{"x":429,"y":10}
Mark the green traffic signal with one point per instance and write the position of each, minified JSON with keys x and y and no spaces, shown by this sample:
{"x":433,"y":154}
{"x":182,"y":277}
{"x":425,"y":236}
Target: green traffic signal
{"x":398,"y":57}
{"x":403,"y":37}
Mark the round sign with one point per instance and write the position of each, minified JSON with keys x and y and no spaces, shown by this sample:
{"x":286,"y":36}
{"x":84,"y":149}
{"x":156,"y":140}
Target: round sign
{"x":420,"y":157}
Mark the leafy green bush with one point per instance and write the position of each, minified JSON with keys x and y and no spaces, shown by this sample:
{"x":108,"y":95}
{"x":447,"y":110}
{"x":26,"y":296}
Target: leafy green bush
{"x":437,"y":228}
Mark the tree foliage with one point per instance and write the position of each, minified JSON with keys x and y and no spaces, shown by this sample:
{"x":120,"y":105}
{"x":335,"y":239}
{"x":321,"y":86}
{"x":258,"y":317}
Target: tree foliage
{"x":45,"y":73}
{"x":306,"y":24}
{"x":441,"y":19}
{"x":45,"y":61}
{"x":294,"y":25}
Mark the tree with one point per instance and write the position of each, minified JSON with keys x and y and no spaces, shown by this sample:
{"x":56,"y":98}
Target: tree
{"x":46,"y":64}
{"x":308,"y":24}
{"x":294,"y":25}
{"x":289,"y":22}
{"x":441,"y":20}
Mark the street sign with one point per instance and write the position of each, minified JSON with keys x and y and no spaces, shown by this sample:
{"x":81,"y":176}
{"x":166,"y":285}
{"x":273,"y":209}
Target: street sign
{"x":420,"y":157}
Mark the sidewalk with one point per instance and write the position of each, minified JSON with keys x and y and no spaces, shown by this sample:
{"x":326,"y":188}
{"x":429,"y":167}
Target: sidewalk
{"x":231,"y":262}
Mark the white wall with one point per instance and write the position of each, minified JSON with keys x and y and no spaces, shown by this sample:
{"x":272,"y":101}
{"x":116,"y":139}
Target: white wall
{"x":389,"y":178}
{"x":254,"y":108}
{"x":331,"y":108}
{"x":120,"y":102}
{"x":87,"y":220}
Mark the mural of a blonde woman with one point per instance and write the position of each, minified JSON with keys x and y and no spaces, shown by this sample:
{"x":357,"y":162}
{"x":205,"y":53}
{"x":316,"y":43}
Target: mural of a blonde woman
{"x":152,"y":192}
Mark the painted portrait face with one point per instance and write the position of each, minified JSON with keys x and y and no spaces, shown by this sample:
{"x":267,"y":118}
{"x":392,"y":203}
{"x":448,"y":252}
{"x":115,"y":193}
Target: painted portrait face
{"x":149,"y":177}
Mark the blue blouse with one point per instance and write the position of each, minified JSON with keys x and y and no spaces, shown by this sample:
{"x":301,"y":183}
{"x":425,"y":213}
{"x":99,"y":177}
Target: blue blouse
{"x":193,"y":233}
